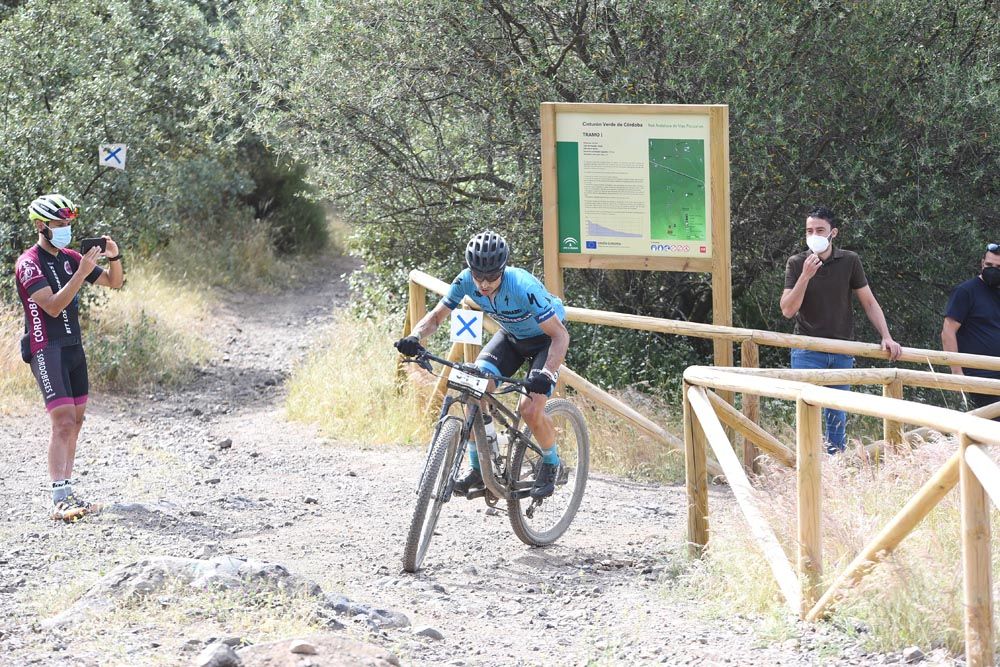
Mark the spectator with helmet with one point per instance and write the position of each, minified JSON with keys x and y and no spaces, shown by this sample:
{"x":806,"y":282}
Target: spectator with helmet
{"x":531,"y":329}
{"x":49,"y":276}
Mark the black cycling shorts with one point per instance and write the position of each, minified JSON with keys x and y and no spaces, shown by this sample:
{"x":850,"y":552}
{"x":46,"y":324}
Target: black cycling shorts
{"x":504,"y":354}
{"x":61,"y":373}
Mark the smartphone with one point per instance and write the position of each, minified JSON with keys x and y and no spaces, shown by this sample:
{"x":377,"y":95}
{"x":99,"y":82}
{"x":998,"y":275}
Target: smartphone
{"x":87,"y":244}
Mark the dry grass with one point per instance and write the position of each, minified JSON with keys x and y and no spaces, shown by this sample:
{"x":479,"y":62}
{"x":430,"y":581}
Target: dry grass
{"x":618,"y":447}
{"x":146,"y":333}
{"x":349,"y":387}
{"x":235,"y":256}
{"x":150,"y":331}
{"x":913,"y":598}
{"x":18,"y":391}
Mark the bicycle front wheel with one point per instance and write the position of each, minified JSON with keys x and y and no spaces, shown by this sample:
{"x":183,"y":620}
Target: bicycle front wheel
{"x":543,"y":522}
{"x":430,"y":493}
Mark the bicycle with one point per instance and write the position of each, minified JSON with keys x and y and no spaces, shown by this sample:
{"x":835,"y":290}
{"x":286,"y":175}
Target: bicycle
{"x":508,"y":464}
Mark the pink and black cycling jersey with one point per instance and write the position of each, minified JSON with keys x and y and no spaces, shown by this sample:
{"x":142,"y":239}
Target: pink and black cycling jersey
{"x":36,"y":269}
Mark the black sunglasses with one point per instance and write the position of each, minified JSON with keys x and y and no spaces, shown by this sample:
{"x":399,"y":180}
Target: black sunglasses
{"x":992,"y":247}
{"x":493,"y":277}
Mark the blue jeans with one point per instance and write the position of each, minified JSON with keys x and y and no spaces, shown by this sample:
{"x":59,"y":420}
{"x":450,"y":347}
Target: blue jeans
{"x":836,"y":420}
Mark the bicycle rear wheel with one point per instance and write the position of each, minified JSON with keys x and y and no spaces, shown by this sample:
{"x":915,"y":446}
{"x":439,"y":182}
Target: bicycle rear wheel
{"x":430,"y":493}
{"x":543,"y":522}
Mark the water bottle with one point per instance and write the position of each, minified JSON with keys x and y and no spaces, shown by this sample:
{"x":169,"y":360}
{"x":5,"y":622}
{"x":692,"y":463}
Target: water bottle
{"x":491,"y":435}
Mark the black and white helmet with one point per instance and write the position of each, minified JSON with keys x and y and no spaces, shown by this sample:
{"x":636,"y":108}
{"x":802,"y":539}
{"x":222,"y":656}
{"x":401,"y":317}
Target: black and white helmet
{"x":52,"y":207}
{"x":487,"y":253}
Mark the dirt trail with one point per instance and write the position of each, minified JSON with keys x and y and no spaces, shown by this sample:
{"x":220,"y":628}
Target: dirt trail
{"x":336,"y":512}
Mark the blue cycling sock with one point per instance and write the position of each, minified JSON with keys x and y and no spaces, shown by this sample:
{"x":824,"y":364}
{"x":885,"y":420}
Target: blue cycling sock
{"x":473,"y":456}
{"x":551,"y":456}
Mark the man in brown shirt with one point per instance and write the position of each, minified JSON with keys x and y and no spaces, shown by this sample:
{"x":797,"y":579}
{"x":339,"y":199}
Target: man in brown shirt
{"x":818,"y":288}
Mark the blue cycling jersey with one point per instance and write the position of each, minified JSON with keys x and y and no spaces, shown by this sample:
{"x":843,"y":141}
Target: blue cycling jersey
{"x":519,"y":305}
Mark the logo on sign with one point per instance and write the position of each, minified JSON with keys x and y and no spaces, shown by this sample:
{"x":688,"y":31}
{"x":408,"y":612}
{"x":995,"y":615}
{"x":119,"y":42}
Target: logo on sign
{"x":669,"y":247}
{"x":591,"y":245}
{"x":703,"y":249}
{"x":570,"y":243}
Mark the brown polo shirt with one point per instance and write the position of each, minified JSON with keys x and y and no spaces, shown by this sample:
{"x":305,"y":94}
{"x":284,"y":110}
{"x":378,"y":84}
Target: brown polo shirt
{"x":826,"y":307}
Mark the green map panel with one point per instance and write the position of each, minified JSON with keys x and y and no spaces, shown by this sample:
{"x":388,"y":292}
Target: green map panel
{"x":677,"y":189}
{"x":568,"y":174}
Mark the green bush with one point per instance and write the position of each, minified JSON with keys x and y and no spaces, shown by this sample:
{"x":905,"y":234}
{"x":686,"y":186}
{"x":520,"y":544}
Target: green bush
{"x":67,"y":88}
{"x":281,"y":198}
{"x":423,"y":124}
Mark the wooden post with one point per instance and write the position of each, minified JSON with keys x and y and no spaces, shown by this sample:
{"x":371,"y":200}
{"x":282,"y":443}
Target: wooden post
{"x":986,"y":470}
{"x":976,"y":564}
{"x":722,"y":275}
{"x":417,"y":307}
{"x":749,"y":358}
{"x":809,"y":441}
{"x":767,"y":541}
{"x":400,"y":373}
{"x":550,"y":202}
{"x":883,"y":544}
{"x":470,"y":352}
{"x":892,"y":431}
{"x":454,"y":354}
{"x":697,"y":480}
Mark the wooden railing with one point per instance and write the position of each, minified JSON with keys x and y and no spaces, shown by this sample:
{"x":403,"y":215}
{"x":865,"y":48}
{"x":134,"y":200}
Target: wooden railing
{"x":421,"y":282}
{"x":971,"y":467}
{"x":705,"y":413}
{"x":893,"y":380}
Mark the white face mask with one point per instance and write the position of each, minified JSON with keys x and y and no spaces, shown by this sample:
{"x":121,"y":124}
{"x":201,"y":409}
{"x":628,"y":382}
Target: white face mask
{"x":818,"y":244}
{"x":60,"y":237}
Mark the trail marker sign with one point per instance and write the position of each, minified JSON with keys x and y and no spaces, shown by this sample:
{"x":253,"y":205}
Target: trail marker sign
{"x":112,"y":155}
{"x":467,"y":326}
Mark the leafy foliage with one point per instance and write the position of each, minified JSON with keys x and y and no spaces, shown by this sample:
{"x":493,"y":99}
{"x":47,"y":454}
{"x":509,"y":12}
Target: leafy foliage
{"x":78,"y":74}
{"x":421,"y":119}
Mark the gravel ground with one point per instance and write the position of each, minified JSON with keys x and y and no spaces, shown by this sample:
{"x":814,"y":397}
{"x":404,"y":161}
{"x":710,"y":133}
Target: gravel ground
{"x":336,"y":513}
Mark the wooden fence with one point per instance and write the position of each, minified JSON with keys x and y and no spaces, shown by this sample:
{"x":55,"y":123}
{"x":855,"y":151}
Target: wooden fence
{"x":705,"y":412}
{"x":971,"y":467}
{"x":893,"y":380}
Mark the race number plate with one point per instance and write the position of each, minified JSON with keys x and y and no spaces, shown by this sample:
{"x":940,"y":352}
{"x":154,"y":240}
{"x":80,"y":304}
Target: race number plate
{"x":461,"y":379}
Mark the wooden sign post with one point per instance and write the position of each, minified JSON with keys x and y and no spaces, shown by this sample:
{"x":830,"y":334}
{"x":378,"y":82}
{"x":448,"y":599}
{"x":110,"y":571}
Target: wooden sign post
{"x":638,"y":186}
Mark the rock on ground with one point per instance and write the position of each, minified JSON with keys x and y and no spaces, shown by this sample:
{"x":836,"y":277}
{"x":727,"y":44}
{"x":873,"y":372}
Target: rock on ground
{"x":328,"y":651}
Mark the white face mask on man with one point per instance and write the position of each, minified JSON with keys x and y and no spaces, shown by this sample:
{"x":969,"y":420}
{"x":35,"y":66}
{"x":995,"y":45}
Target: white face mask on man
{"x":818,"y":244}
{"x":60,"y":237}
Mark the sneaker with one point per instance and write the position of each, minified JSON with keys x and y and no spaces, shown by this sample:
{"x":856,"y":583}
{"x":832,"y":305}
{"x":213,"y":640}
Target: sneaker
{"x":545,"y":481}
{"x":471,"y":482}
{"x":71,"y":509}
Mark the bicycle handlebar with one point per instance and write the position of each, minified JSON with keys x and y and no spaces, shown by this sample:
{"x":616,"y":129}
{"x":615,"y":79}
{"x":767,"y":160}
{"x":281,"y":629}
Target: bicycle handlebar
{"x":424,"y":357}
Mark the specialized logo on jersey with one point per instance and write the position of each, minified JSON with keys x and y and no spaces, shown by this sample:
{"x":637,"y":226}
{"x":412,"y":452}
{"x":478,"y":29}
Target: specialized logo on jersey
{"x":27,"y":271}
{"x":68,"y":268}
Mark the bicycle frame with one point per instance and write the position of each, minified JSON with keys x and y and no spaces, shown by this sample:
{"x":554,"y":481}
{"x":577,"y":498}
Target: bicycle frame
{"x":501,"y":485}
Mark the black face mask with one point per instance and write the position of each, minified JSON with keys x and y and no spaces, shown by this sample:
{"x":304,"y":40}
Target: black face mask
{"x":991,"y":276}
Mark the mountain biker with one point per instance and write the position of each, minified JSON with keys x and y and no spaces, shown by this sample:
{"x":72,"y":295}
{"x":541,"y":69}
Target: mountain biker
{"x":49,"y":277}
{"x":531,"y":329}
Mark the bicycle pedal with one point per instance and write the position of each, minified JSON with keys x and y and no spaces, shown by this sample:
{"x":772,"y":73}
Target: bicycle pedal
{"x":477,"y":493}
